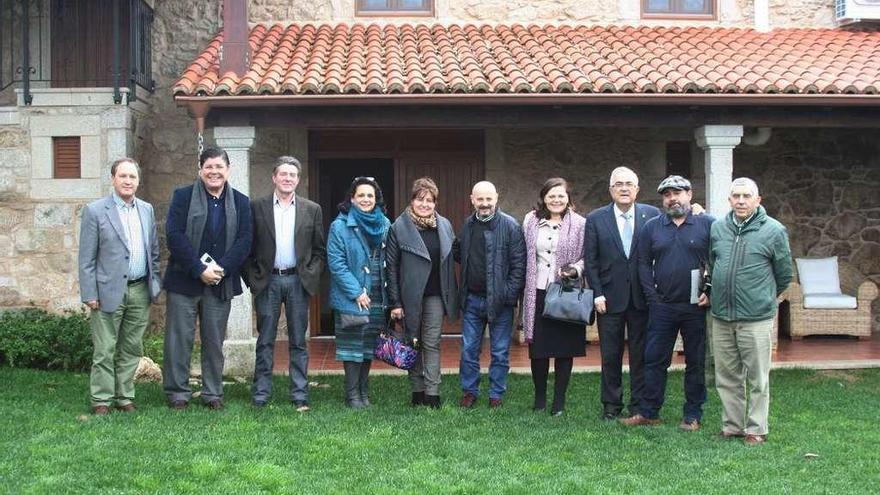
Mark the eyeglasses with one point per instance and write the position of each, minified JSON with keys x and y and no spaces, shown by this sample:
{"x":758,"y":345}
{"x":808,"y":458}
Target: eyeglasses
{"x":621,"y":185}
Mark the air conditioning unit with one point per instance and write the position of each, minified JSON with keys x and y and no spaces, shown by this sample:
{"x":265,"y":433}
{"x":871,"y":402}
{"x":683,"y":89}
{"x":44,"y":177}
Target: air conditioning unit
{"x":852,"y":11}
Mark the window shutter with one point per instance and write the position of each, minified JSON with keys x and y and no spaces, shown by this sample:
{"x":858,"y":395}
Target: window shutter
{"x":66,"y":157}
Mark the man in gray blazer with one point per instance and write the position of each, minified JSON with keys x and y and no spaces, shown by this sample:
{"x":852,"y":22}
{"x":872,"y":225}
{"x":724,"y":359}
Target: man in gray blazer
{"x":284,"y":267}
{"x":118,"y":279}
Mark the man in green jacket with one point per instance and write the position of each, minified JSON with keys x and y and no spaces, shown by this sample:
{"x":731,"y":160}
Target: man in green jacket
{"x":751,"y":266}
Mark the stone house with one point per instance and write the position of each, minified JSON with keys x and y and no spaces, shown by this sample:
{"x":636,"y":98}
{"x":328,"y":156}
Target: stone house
{"x":785,"y":92}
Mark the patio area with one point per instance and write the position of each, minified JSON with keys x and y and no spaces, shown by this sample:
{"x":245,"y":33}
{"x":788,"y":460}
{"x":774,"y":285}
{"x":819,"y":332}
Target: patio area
{"x":817,"y":352}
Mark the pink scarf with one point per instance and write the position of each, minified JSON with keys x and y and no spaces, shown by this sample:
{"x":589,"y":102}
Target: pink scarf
{"x":569,"y":250}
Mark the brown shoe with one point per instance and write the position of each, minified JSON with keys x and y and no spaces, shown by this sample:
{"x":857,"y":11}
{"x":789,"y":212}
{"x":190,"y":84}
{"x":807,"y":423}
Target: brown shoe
{"x":755,"y":439}
{"x":127,"y":408}
{"x":100,"y":410}
{"x":468,"y":401}
{"x":689,"y":425}
{"x":214,"y":405}
{"x":178,"y":404}
{"x":726,"y":435}
{"x":639,"y":420}
{"x":495,"y":403}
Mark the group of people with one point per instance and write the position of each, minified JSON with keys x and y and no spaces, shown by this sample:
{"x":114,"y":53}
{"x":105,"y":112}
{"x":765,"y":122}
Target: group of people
{"x":654,"y":274}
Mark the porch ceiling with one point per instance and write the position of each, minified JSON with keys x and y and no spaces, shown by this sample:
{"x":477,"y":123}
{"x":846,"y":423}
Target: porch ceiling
{"x":302,"y":64}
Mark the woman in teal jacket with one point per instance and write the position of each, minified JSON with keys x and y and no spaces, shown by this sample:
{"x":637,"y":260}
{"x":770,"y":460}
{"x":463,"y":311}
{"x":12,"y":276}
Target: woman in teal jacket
{"x":356,"y":260}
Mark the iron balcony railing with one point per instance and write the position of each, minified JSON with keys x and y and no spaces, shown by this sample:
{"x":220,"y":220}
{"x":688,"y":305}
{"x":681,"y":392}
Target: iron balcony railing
{"x":76,"y":43}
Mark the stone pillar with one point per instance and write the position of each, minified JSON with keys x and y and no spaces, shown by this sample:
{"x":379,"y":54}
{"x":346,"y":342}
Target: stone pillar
{"x":718,"y":142}
{"x":240,"y":345}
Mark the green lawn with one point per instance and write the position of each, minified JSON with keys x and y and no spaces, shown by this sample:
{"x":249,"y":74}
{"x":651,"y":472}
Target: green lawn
{"x":47,"y":447}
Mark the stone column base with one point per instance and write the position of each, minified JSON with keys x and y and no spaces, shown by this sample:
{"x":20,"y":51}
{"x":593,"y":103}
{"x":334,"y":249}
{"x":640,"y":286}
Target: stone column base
{"x":240,"y":357}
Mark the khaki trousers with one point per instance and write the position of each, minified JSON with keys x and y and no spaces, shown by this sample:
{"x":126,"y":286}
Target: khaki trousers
{"x":742,"y":363}
{"x":118,"y":339}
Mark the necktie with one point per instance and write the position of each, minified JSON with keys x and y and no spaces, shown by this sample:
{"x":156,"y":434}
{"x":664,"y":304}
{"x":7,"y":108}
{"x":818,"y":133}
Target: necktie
{"x":627,"y":235}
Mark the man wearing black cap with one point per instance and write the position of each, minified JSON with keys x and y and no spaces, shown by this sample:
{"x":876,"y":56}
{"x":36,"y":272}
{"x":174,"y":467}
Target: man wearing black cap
{"x":672,"y":259}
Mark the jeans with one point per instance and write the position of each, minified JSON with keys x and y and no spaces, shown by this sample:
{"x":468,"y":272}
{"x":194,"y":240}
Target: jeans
{"x":664,"y":323}
{"x":286,"y":290}
{"x":474,"y":321}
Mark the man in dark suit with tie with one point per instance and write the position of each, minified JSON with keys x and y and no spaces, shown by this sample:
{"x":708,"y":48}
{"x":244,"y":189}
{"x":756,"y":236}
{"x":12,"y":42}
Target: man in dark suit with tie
{"x":284,"y":267}
{"x":118,"y":279}
{"x":612,"y":234}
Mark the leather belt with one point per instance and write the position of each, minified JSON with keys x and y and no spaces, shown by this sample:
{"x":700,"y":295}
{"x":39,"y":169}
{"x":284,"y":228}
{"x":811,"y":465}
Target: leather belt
{"x":137,"y":280}
{"x":286,"y":271}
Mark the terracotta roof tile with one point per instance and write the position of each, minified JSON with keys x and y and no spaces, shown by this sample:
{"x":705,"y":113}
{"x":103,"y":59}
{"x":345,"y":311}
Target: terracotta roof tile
{"x":421,"y":58}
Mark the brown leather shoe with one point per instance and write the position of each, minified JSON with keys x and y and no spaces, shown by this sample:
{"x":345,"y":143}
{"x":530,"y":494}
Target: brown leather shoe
{"x":726,"y":435}
{"x":495,"y":403}
{"x":639,"y":420}
{"x":755,"y":439}
{"x":214,"y":405}
{"x":689,"y":425}
{"x":127,"y":408}
{"x":178,"y":404}
{"x":100,"y":410}
{"x":468,"y":401}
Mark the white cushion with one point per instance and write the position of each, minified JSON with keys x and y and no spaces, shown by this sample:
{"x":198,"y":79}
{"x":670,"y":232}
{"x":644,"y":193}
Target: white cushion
{"x":829,"y":301}
{"x":818,"y":276}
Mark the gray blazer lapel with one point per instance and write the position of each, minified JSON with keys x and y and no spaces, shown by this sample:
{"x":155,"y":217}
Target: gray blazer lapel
{"x":113,"y":215}
{"x":299,"y":222}
{"x":146,"y":225}
{"x":412,"y":241}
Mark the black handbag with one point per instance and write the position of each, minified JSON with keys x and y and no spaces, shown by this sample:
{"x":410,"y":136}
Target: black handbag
{"x":568,"y":302}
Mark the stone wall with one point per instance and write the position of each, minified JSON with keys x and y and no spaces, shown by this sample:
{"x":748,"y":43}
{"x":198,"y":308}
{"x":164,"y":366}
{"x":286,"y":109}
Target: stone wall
{"x":783,"y":13}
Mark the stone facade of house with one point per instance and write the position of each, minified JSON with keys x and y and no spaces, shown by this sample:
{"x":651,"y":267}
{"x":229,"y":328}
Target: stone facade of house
{"x":821,"y":182}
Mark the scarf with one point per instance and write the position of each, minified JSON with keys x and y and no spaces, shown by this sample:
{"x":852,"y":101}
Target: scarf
{"x":487,"y":219}
{"x":422,"y":223}
{"x":372,"y":224}
{"x":569,"y":249}
{"x":198,"y":217}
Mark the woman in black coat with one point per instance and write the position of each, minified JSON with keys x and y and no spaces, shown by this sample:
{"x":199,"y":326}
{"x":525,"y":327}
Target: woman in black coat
{"x":421,"y":284}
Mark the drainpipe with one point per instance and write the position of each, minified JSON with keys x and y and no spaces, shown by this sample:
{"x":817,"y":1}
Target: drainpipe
{"x":26,"y":53}
{"x":235,"y":50}
{"x":762,"y":15}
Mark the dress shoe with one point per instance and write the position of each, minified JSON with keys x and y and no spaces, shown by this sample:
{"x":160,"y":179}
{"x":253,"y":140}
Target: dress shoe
{"x":495,"y":403}
{"x":540,"y":405}
{"x":610,"y":416}
{"x":639,"y":420}
{"x":557,"y":414}
{"x":214,"y":405}
{"x":468,"y":401}
{"x":726,"y":435}
{"x":755,"y":439}
{"x":432,"y":401}
{"x":301,"y":406}
{"x":259,"y":403}
{"x":127,"y":408}
{"x":178,"y":404}
{"x":689,"y":425}
{"x":418,"y":399}
{"x":100,"y":410}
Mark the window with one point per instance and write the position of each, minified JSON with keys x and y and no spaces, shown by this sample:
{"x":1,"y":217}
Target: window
{"x":66,"y":157}
{"x":699,"y":9}
{"x":395,"y":7}
{"x":678,"y":158}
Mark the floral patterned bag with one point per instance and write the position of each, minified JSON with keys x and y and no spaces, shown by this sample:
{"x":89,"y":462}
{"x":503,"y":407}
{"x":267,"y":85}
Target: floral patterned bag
{"x":395,"y":350}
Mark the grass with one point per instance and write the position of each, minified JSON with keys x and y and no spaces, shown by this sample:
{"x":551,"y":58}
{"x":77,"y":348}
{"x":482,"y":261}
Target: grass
{"x":48,"y":446}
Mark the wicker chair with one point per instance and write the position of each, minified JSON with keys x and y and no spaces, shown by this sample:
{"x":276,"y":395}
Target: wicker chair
{"x":810,"y":318}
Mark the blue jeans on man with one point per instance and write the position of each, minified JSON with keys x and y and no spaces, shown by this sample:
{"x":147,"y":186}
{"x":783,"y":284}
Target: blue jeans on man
{"x":664,"y":323}
{"x":474,"y":321}
{"x":286,"y":289}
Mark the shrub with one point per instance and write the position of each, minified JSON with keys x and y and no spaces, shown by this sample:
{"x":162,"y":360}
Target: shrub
{"x":154,"y":346}
{"x":33,"y":338}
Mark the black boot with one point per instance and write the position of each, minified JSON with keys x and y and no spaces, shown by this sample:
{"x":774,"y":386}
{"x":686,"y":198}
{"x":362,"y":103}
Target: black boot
{"x":418,"y":399}
{"x":364,"y":383}
{"x":540,"y":370}
{"x":432,"y":401}
{"x":352,"y":382}
{"x":560,"y":384}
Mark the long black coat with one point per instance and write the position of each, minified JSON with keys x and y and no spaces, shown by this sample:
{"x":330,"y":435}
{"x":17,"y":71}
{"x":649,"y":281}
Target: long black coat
{"x":409,"y":266}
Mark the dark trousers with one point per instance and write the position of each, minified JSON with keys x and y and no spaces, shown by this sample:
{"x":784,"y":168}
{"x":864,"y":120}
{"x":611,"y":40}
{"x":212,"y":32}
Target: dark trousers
{"x":665,"y":321}
{"x":286,"y":290}
{"x":615,"y":329}
{"x":181,"y":312}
